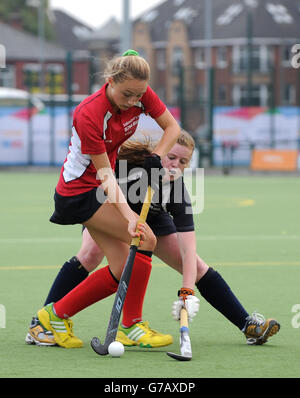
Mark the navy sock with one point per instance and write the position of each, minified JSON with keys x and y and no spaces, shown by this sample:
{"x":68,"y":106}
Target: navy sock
{"x":216,"y":292}
{"x":70,"y":275}
{"x":145,"y":252}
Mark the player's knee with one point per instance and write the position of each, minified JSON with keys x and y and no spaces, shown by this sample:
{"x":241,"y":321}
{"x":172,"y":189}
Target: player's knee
{"x":90,"y":258}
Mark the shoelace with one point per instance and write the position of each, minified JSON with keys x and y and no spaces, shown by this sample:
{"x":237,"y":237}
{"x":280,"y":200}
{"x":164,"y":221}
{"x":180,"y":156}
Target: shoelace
{"x":151,"y":331}
{"x":257,"y":318}
{"x":36,"y":322}
{"x":70,"y":324}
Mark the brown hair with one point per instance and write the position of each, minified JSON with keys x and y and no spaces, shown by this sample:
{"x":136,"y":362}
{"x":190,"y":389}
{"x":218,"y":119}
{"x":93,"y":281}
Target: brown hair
{"x":136,"y":151}
{"x":127,"y":67}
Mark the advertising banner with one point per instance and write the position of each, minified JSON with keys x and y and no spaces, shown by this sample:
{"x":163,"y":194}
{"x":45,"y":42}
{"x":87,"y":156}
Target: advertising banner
{"x":247,"y":128}
{"x":27,"y":139}
{"x":274,"y":159}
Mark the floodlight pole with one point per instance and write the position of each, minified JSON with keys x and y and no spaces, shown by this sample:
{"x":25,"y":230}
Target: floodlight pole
{"x":41,"y":35}
{"x":209,"y":76}
{"x":40,"y":5}
{"x":249,"y":55}
{"x":125,"y":40}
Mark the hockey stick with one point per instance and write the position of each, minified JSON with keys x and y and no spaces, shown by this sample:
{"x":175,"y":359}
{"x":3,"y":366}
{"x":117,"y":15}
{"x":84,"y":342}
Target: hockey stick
{"x":102,"y":349}
{"x":185,"y":341}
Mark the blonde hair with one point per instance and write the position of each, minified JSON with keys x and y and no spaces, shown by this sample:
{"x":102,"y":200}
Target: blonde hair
{"x":136,"y":151}
{"x":187,"y":140}
{"x":127,"y":67}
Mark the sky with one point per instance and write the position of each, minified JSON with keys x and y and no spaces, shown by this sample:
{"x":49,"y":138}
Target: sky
{"x":95,"y":12}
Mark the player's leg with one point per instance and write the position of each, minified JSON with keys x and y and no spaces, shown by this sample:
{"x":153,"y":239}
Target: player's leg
{"x":216,"y":291}
{"x":133,"y":330}
{"x":76,"y":269}
{"x":71,"y":274}
{"x":109,"y":231}
{"x":167,"y":249}
{"x":96,"y":286}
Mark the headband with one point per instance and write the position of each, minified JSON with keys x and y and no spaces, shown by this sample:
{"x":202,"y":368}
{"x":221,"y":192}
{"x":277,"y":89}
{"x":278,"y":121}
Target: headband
{"x":130,"y":52}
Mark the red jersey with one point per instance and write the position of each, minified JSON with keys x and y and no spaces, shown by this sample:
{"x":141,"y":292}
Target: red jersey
{"x":98,"y":128}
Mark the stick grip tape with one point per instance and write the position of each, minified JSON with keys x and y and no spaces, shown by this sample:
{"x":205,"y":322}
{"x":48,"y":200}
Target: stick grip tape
{"x":144,"y":213}
{"x":184,"y":318}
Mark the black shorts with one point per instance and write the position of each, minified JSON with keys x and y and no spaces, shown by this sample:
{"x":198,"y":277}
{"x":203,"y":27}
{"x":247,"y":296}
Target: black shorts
{"x":161,"y":223}
{"x":76,"y":209}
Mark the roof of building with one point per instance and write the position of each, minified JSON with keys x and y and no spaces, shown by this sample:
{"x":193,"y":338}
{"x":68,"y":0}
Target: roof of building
{"x":21,"y":45}
{"x":71,"y":33}
{"x":280,"y":19}
{"x":109,"y":31}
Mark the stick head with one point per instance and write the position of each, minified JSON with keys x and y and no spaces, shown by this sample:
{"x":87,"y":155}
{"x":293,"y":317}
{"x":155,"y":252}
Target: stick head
{"x":179,"y":357}
{"x":185,"y":343}
{"x":101,"y":349}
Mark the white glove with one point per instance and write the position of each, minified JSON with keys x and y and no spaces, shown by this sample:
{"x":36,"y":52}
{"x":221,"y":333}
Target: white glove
{"x":191,"y":304}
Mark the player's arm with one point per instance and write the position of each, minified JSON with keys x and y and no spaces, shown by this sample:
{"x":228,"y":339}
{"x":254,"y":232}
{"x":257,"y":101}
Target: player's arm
{"x":171,"y":133}
{"x":187,"y":247}
{"x":113,"y":191}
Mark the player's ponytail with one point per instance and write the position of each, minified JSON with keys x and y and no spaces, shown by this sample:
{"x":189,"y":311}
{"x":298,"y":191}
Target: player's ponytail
{"x":136,"y":151}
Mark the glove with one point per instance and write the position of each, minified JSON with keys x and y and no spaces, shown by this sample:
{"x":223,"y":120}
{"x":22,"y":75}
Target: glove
{"x":152,"y":161}
{"x":188,"y":301}
{"x":155,"y":172}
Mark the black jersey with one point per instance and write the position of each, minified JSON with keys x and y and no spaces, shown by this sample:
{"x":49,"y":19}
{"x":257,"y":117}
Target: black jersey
{"x":173,"y":213}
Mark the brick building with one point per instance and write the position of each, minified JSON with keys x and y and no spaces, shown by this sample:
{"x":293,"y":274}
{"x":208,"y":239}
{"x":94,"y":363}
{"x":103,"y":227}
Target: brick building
{"x":175,"y":32}
{"x":25,"y":59}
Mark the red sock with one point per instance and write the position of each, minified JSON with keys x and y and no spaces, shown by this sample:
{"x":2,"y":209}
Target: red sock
{"x":133,"y":305}
{"x":97,"y":286}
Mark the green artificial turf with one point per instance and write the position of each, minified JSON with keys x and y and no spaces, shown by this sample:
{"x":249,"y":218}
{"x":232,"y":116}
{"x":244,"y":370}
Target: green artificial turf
{"x":249,"y":232}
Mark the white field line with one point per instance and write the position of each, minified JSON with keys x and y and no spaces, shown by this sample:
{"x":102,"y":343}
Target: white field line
{"x":39,"y":240}
{"x":4,"y":241}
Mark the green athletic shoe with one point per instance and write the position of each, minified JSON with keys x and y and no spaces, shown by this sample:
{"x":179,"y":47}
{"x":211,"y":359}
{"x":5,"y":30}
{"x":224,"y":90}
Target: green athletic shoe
{"x":141,"y":335}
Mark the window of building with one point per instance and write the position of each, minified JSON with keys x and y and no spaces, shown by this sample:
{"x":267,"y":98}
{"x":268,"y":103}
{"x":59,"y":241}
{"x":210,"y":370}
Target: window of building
{"x":177,"y":57}
{"x":186,"y":14}
{"x":286,"y":55}
{"x":7,"y":77}
{"x":289,"y":94}
{"x":241,"y":55}
{"x":53,"y":78}
{"x":200,"y":58}
{"x":279,"y":13}
{"x":259,"y":95}
{"x":222,"y":94}
{"x":230,"y":14}
{"x":149,"y":16}
{"x":222,"y":57}
{"x":266,"y":58}
{"x":32,"y":77}
{"x":161,"y":59}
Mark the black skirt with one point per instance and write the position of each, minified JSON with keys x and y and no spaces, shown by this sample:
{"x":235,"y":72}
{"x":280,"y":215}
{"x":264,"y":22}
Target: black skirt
{"x":77,"y":209}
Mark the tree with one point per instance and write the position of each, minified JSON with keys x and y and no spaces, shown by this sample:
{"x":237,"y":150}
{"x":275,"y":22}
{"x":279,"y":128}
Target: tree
{"x":12,"y":11}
